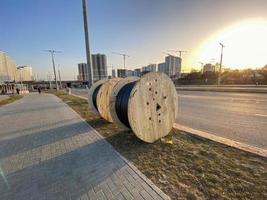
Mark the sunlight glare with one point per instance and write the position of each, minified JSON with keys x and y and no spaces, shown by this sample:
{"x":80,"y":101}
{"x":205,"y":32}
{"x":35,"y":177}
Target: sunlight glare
{"x":245,"y":45}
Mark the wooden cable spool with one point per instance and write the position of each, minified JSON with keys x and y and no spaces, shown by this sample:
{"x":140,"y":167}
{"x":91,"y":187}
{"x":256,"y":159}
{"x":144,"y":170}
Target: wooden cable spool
{"x":148,"y":106}
{"x":103,"y":98}
{"x":92,"y":94}
{"x":113,"y":97}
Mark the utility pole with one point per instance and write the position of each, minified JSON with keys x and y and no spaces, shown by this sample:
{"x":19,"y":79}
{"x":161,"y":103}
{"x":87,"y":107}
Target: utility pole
{"x":201,"y":67}
{"x":20,"y":69}
{"x":52,"y":52}
{"x":124,"y":58}
{"x":49,"y":79}
{"x":220,"y":71}
{"x":59,"y":77}
{"x":87,"y":44}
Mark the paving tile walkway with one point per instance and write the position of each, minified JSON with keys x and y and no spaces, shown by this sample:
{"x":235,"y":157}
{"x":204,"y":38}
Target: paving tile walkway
{"x":48,"y":152}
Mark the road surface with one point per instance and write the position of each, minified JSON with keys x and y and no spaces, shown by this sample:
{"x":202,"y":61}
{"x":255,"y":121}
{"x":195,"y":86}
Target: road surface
{"x":238,"y":116}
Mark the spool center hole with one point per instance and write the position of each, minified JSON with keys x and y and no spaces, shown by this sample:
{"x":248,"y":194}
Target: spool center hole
{"x":158,"y":107}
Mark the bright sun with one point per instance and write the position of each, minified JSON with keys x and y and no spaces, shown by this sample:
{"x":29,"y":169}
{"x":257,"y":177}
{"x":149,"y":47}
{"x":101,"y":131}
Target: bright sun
{"x":245,"y":45}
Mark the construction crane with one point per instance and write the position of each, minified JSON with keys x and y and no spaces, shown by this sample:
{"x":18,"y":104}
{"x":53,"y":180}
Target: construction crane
{"x":167,"y":53}
{"x":178,"y":51}
{"x":124,"y":57}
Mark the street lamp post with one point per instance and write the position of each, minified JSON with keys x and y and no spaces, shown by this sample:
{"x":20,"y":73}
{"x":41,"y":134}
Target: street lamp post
{"x":87,"y":44}
{"x":20,"y":69}
{"x":220,"y":71}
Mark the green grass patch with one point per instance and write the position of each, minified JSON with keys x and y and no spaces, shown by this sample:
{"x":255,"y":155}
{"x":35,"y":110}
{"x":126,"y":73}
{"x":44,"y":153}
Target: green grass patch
{"x":190,"y":168}
{"x":10,"y":99}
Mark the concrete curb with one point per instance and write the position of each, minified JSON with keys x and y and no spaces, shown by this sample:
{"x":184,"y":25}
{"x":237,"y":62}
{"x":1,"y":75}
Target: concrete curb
{"x":232,"y":143}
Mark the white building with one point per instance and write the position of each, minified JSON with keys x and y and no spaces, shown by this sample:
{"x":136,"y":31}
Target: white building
{"x":173,"y":65}
{"x":209,"y":68}
{"x":25,"y":73}
{"x":8,"y":69}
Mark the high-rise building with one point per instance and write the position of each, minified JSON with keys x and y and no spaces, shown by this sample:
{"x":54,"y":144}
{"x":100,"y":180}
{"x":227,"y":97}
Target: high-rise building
{"x":173,"y":64}
{"x":99,"y":65}
{"x":82,"y":72}
{"x":163,"y":68}
{"x":149,"y":68}
{"x":99,"y":62}
{"x":25,"y":73}
{"x":121,"y":73}
{"x":209,"y":68}
{"x":130,"y":73}
{"x":113,"y":73}
{"x":137,"y":72}
{"x":8,"y":69}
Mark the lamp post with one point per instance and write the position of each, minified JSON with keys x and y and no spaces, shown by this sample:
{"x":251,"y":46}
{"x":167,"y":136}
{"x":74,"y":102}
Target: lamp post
{"x":20,"y":69}
{"x":220,"y":71}
{"x":87,"y":43}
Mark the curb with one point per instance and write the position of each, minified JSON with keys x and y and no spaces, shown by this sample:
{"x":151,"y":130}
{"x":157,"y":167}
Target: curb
{"x":239,"y":145}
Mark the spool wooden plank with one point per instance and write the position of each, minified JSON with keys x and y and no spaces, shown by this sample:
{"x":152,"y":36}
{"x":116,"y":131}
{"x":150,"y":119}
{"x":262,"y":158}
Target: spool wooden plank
{"x":152,"y":107}
{"x":90,"y":95}
{"x":103,"y":98}
{"x":113,"y":97}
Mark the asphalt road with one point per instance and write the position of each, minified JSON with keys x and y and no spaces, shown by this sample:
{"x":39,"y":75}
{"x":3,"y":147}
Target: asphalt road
{"x":238,"y":116}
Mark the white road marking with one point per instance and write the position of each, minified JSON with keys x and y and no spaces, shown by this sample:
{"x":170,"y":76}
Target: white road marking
{"x":261,"y":115}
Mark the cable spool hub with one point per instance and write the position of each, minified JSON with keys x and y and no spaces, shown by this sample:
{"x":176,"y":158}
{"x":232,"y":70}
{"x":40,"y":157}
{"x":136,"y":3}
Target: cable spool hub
{"x":114,"y":97}
{"x":148,"y":106}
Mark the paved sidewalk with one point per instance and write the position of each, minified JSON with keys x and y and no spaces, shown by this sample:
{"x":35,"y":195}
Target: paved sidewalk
{"x":48,"y":152}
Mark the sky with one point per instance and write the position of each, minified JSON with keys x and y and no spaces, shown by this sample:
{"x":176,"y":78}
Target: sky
{"x":143,"y":29}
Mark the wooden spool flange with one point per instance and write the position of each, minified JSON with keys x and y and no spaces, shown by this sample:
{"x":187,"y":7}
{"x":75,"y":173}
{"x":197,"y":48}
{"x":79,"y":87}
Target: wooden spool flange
{"x":90,"y":95}
{"x":152,"y":106}
{"x":113,"y":97}
{"x":103,"y":98}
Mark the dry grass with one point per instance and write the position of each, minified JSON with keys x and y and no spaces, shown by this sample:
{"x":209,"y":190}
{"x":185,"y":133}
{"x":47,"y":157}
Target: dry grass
{"x":10,"y":99}
{"x":190,"y":168}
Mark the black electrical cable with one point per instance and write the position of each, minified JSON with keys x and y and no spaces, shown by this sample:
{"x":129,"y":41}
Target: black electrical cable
{"x":94,"y":96}
{"x":121,"y":105}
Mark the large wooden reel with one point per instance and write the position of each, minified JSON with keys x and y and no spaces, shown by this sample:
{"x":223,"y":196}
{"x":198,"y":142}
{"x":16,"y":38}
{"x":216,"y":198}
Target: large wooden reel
{"x":92,"y":93}
{"x":152,"y":107}
{"x":113,"y":99}
{"x":103,"y":98}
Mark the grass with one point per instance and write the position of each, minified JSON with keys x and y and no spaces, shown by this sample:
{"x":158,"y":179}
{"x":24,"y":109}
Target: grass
{"x":190,"y":168}
{"x":10,"y":99}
